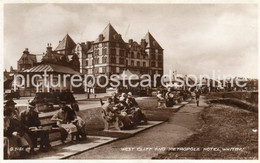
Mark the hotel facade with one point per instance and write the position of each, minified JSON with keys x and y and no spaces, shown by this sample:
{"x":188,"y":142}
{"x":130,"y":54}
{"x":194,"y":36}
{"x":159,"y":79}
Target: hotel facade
{"x":108,"y":54}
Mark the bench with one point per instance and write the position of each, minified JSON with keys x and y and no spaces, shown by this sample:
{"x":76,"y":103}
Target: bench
{"x":52,"y":128}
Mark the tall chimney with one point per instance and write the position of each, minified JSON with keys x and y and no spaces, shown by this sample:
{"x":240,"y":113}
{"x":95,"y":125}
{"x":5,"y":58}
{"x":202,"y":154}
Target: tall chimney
{"x":49,"y":48}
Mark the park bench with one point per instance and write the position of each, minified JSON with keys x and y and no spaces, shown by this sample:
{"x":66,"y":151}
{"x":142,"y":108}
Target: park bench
{"x":47,"y":124}
{"x":52,"y":128}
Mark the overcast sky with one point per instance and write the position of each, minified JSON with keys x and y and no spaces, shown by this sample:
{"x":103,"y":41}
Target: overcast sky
{"x":196,"y":38}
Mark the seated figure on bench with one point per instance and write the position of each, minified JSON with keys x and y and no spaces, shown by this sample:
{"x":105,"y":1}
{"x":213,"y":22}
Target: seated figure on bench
{"x":65,"y":121}
{"x":78,"y":121}
{"x":113,"y":115}
{"x":14,"y":137}
{"x":134,"y":109}
{"x":31,"y":125}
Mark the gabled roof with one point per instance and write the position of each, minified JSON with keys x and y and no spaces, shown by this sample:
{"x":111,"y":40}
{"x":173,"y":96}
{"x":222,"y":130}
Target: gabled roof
{"x":51,"y":68}
{"x":151,"y":42}
{"x":28,"y":58}
{"x":110,"y":34}
{"x":66,"y":43}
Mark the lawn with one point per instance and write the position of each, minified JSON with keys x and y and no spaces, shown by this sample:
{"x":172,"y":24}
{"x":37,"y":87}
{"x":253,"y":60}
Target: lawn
{"x":228,"y":132}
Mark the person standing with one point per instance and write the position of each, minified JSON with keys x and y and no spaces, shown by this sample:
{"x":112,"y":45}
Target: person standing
{"x":197,"y":95}
{"x":169,"y":98}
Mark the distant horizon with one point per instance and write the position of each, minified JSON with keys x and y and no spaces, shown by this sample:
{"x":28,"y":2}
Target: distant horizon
{"x":196,"y":38}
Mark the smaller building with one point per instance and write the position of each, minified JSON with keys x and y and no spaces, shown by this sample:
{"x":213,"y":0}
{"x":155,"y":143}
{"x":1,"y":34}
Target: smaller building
{"x":28,"y":60}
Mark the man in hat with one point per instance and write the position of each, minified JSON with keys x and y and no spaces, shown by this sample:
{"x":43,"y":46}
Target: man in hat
{"x":31,"y":124}
{"x":14,"y":112}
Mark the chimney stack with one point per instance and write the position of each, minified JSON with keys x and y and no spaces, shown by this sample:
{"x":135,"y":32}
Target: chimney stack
{"x":26,"y":51}
{"x":143,"y":43}
{"x":49,"y":48}
{"x":130,"y":41}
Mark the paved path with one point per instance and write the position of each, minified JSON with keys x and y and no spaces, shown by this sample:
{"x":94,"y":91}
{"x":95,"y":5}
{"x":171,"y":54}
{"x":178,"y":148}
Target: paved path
{"x":180,"y":126}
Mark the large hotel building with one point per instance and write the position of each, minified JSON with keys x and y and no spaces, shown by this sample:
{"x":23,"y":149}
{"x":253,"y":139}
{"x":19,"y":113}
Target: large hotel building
{"x":108,"y":54}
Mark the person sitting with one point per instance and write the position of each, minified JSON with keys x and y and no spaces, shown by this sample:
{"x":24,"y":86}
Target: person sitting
{"x":115,"y":98}
{"x":135,"y":110}
{"x":78,"y":121}
{"x":32,"y":126}
{"x":15,"y":137}
{"x":109,"y":114}
{"x":131,"y":101}
{"x":161,"y":100}
{"x":10,"y":105}
{"x":64,"y":121}
{"x":114,"y":112}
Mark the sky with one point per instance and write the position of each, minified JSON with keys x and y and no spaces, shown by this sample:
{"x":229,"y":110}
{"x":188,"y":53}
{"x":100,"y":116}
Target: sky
{"x":196,"y":38}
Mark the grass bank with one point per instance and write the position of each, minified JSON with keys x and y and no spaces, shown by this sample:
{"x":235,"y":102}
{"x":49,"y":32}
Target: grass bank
{"x":228,"y":132}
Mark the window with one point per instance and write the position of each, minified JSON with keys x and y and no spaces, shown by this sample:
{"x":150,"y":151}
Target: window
{"x":121,"y":52}
{"x":96,"y":70}
{"x":153,"y":56}
{"x":138,"y":63}
{"x":113,"y":51}
{"x":160,"y":64}
{"x":132,"y":55}
{"x":138,"y":55}
{"x":126,"y":62}
{"x":132,"y":63}
{"x":113,"y":59}
{"x":86,"y":62}
{"x":113,"y":69}
{"x":159,"y":57}
{"x":96,"y":60}
{"x":96,"y":52}
{"x":103,"y":69}
{"x":122,"y":60}
{"x":104,"y":51}
{"x":104,"y":59}
{"x":153,"y":64}
{"x":144,"y":64}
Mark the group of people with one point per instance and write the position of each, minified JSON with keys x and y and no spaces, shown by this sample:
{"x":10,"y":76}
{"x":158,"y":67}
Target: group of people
{"x":169,"y":98}
{"x":124,"y":108}
{"x":22,"y":130}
